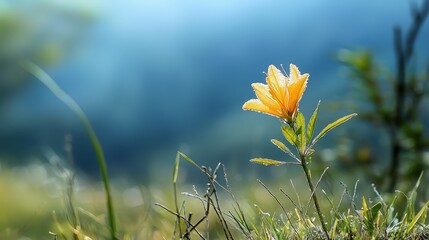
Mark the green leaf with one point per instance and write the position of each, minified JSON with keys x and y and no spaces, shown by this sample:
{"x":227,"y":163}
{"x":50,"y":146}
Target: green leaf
{"x":289,"y":135}
{"x":332,"y":126}
{"x":283,"y":147}
{"x":417,"y":217}
{"x":364,"y":206}
{"x":267,"y":161}
{"x":300,"y":123}
{"x":312,"y":122}
{"x":280,"y":145}
{"x":375,"y":209}
{"x":368,"y":221}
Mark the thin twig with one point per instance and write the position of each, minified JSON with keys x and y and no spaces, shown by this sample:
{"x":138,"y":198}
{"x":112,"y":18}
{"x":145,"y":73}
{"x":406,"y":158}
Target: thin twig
{"x":277,"y":200}
{"x":314,"y":190}
{"x":179,"y":216}
{"x":219,"y":212}
{"x":296,"y":193}
{"x":229,"y":191}
{"x":301,"y":213}
{"x":342,"y":198}
{"x":194,"y":227}
{"x":237,"y":221}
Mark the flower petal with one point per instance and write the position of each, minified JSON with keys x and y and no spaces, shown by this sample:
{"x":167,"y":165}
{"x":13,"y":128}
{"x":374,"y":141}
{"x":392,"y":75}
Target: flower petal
{"x":263,"y":93}
{"x":277,"y":84}
{"x":258,"y":106}
{"x":294,"y":73}
{"x":296,"y":88}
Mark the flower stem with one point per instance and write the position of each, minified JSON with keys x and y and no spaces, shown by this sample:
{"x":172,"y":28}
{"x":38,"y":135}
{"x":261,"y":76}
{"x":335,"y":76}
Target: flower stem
{"x":316,"y":202}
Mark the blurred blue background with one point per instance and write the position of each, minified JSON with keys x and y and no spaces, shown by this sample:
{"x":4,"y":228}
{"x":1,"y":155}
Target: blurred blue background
{"x":155,"y":77}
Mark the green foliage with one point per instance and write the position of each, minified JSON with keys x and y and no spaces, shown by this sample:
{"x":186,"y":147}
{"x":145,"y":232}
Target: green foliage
{"x":18,"y":25}
{"x":300,"y":123}
{"x":267,"y":161}
{"x":270,"y":162}
{"x":312,"y":122}
{"x":395,"y":99}
{"x":299,"y":136}
{"x":185,"y":226}
{"x":259,"y":215}
{"x":218,"y":213}
{"x":285,"y":149}
{"x":290,"y":135}
{"x":376,"y":219}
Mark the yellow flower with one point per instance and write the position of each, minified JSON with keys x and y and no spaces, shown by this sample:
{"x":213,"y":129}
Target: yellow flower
{"x":280,"y":97}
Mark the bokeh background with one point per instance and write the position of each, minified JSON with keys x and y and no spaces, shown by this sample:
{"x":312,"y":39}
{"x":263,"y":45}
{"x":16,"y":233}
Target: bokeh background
{"x":155,"y":77}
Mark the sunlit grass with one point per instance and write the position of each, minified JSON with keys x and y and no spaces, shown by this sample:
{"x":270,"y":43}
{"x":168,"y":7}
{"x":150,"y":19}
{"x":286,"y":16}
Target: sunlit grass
{"x":31,"y":195}
{"x":28,"y":197}
{"x":34,"y":203}
{"x":286,"y":212}
{"x":52,"y":201}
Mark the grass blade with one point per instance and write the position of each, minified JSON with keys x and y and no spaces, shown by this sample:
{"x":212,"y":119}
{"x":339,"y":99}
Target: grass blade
{"x":417,"y":217}
{"x":70,"y":103}
{"x":176,"y":168}
{"x":190,"y":161}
